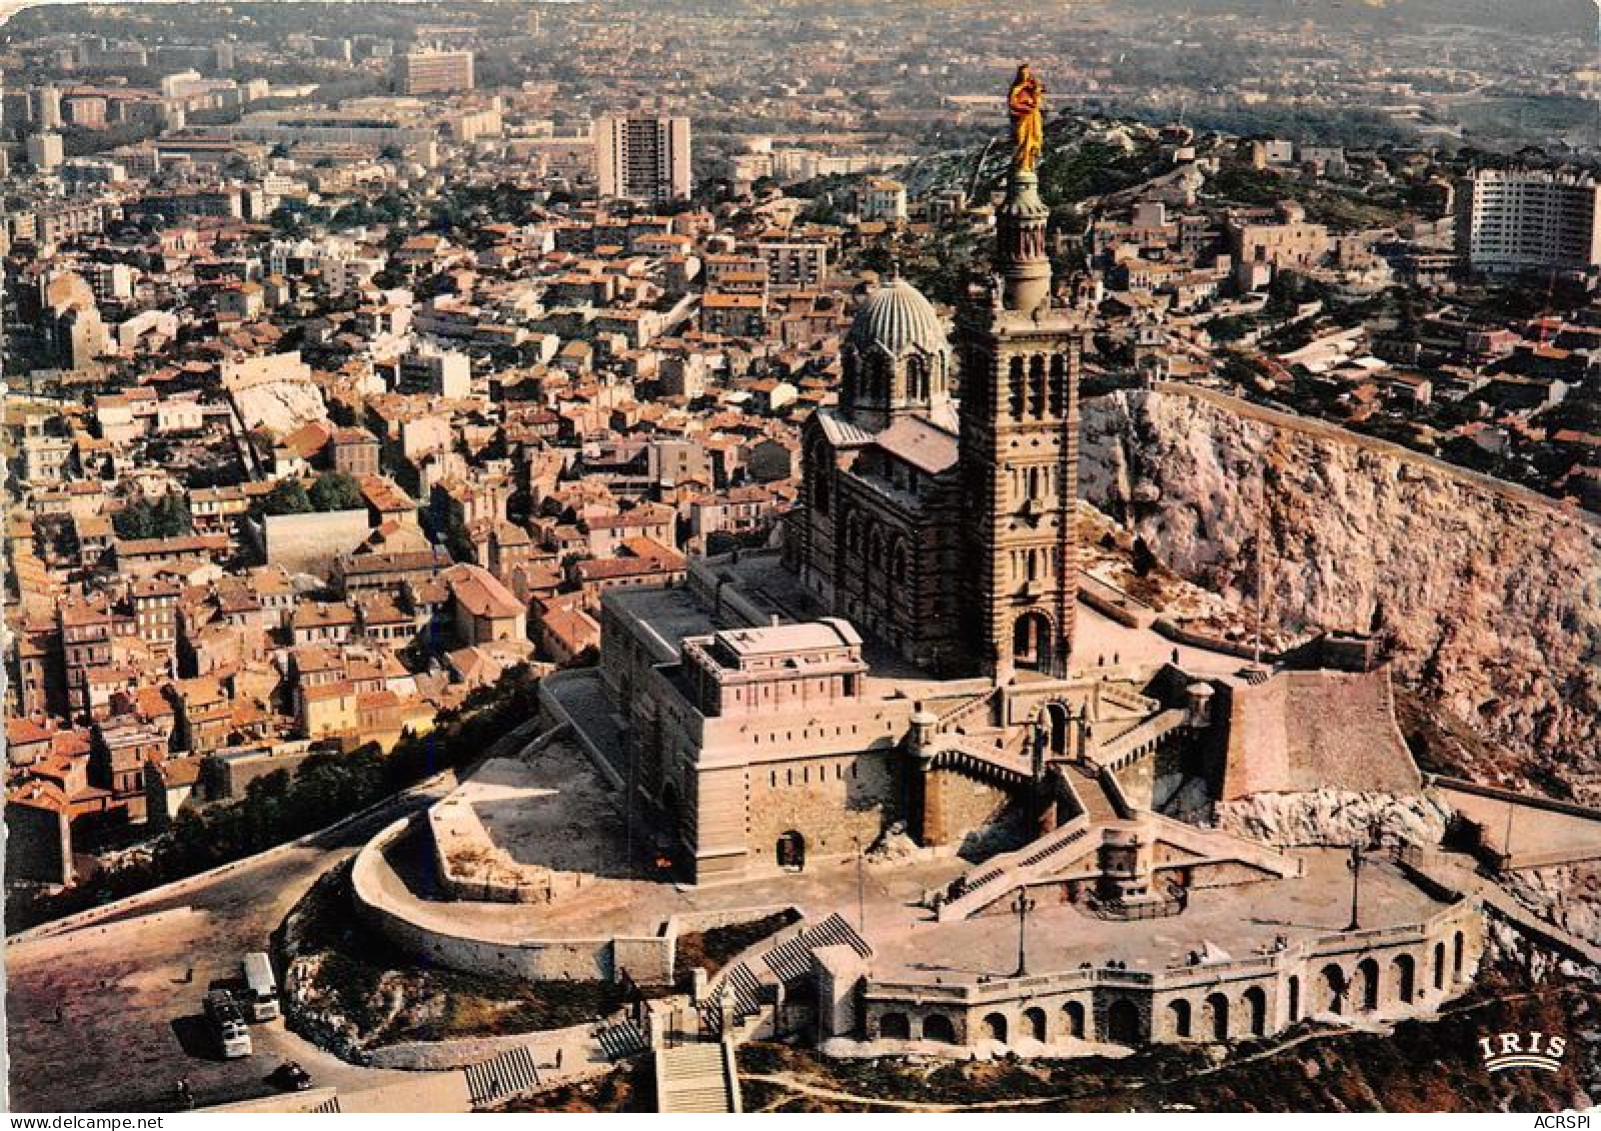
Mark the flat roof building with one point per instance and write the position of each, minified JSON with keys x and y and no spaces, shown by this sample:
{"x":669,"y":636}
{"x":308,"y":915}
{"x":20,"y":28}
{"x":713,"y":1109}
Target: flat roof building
{"x":1509,"y":221}
{"x":435,"y":72}
{"x":643,"y":158}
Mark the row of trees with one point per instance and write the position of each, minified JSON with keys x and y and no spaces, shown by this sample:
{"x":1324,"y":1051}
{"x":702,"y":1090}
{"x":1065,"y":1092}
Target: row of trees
{"x":330,"y":491}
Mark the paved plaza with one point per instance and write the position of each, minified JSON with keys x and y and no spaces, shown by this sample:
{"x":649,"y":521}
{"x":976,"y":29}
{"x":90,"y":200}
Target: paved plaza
{"x":555,"y":809}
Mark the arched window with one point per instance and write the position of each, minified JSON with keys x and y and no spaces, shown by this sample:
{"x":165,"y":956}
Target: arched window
{"x":1404,"y":973}
{"x":1367,"y":978}
{"x":1015,"y":388}
{"x":875,"y":549}
{"x":1031,"y":641}
{"x":917,"y":379}
{"x":1074,"y":1010}
{"x":1036,"y":386}
{"x":878,"y":369}
{"x":853,"y":532}
{"x":1334,"y":988}
{"x":1217,"y":1017}
{"x":1255,"y":1000}
{"x":1058,"y":385}
{"x":1178,"y":1014}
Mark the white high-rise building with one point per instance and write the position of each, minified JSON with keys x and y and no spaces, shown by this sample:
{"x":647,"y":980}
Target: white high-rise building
{"x":45,"y":151}
{"x":1510,"y":221}
{"x":644,"y":158}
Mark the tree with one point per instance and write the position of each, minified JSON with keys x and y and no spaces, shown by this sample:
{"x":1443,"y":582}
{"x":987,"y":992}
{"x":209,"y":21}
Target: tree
{"x":1228,"y":328}
{"x":168,"y":517}
{"x":336,"y":491}
{"x":289,"y":497}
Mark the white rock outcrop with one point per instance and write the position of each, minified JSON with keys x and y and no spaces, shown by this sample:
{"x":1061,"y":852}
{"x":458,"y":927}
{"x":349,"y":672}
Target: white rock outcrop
{"x":1329,"y":816}
{"x":1489,"y":595}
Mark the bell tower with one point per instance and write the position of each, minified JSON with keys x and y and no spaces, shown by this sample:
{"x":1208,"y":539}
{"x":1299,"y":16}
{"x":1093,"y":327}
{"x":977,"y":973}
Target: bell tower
{"x":1020,"y":359}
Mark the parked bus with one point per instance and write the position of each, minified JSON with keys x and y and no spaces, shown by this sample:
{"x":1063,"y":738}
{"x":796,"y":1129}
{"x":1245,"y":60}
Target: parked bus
{"x":261,"y":988}
{"x":228,"y":1024}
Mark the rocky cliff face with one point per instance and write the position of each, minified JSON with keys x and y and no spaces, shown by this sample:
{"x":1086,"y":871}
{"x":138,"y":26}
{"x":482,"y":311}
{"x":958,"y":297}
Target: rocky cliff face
{"x":1490,"y":597}
{"x":1329,"y":816}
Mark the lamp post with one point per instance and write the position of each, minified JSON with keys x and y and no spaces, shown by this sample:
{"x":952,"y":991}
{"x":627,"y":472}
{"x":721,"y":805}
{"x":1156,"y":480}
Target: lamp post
{"x":1021,"y":906}
{"x":861,"y":887}
{"x":1355,"y":865}
{"x":1506,"y":840}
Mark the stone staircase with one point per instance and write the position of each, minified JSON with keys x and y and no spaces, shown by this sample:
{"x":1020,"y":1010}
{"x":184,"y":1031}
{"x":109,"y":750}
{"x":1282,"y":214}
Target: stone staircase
{"x":977,"y":708}
{"x":785,"y":963}
{"x":1139,"y":738}
{"x":970,"y":756}
{"x":1000,"y":876}
{"x":1096,"y":800}
{"x":792,"y":960}
{"x":501,"y":1077}
{"x":698,"y":1078}
{"x":1212,"y":845}
{"x":623,"y":1040}
{"x":746,"y":987}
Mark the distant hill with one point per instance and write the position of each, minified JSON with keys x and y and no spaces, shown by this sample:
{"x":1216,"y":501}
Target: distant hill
{"x":1526,"y":16}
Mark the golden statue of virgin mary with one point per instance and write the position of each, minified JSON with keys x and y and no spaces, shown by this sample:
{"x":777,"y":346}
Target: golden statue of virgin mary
{"x":1025,"y":102}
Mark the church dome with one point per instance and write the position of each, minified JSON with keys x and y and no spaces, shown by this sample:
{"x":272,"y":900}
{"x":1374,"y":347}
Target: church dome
{"x":897,"y":318}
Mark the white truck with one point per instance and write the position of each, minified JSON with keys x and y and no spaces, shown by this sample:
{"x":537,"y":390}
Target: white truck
{"x":261,"y":988}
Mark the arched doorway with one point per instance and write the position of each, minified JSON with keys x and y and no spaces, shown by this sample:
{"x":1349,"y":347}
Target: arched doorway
{"x":1439,"y":966}
{"x":1334,"y":989}
{"x":790,"y":851}
{"x":1217,"y":1017}
{"x":938,"y":1027}
{"x":1367,"y":980}
{"x":995,"y":1027}
{"x":1075,"y":1018}
{"x":1404,"y":970}
{"x":1295,"y":998}
{"x":1255,"y":1000}
{"x":1178,"y":1018}
{"x":1035,"y":1025}
{"x":894,"y":1027}
{"x":1031,"y":641}
{"x":1058,"y":721}
{"x":1123,"y":1022}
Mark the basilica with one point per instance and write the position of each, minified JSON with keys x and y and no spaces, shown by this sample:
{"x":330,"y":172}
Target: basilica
{"x":942,"y":526}
{"x":914,"y":685}
{"x":805,"y":704}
